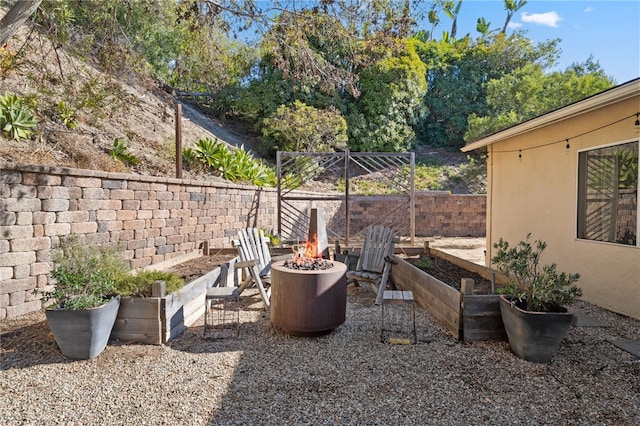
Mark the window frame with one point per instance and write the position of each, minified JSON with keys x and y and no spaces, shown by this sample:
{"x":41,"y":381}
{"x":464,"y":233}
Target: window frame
{"x":581,"y":194}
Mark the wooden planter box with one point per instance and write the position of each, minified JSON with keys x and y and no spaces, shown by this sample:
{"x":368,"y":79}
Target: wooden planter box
{"x":467,"y":317}
{"x":156,"y":320}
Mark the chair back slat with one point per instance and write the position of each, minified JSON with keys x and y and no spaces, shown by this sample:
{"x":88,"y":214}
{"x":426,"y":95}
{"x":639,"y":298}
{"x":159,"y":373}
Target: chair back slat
{"x":377,"y":245}
{"x":252,"y":245}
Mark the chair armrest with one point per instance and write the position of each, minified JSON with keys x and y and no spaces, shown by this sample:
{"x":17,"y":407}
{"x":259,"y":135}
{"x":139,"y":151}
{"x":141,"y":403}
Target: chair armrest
{"x":245,"y":264}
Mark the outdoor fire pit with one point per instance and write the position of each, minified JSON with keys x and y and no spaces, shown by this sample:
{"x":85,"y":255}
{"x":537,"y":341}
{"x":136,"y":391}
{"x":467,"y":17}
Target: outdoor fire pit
{"x":308,"y":302}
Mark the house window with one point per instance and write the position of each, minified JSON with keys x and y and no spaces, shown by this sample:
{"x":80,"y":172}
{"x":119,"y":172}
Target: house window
{"x":608,"y":194}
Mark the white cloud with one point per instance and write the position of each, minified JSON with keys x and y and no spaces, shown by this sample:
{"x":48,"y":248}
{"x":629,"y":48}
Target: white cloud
{"x":514,"y":25}
{"x":589,"y":9}
{"x":549,"y":19}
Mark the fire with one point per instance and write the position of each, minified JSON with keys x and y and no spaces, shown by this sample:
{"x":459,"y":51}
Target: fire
{"x":307,"y":250}
{"x":308,"y":257}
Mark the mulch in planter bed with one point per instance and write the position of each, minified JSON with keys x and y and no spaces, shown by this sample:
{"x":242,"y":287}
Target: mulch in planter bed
{"x":449,"y":273}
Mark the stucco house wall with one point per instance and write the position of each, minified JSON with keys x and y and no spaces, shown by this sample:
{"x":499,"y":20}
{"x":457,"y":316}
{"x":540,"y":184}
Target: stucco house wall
{"x":532,"y":188}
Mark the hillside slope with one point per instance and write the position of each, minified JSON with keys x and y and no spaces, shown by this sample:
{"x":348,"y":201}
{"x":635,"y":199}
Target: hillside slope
{"x":106,"y":107}
{"x":126,"y":107}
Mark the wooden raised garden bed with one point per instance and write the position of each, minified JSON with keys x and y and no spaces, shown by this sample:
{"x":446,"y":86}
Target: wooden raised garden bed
{"x":467,"y":316}
{"x":156,"y":320}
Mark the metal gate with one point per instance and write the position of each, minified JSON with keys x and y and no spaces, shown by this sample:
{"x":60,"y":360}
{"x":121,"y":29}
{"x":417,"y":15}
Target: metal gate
{"x":337,"y":182}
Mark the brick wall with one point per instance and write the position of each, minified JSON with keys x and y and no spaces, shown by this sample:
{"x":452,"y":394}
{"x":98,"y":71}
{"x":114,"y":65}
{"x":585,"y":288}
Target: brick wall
{"x":156,"y":219}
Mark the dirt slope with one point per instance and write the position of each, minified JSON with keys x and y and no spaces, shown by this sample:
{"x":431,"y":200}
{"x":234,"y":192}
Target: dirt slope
{"x":106,"y":106}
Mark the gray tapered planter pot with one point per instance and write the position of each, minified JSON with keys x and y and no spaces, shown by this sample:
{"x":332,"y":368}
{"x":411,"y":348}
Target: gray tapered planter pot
{"x":84,"y":333}
{"x":534,"y":336}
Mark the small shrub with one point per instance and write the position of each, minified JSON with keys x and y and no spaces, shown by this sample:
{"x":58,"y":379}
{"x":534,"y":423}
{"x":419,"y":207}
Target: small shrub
{"x":423,"y":263}
{"x":119,"y":153}
{"x":236,"y":166}
{"x":274,"y":238}
{"x":536,"y":287}
{"x":67,"y":116}
{"x":141,"y":284}
{"x":15,"y":117}
{"x":85,"y":276}
{"x":190,"y":159}
{"x":8,"y":60}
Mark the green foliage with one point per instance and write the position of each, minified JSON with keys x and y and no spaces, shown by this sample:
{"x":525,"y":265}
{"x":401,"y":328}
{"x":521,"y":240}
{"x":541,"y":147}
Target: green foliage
{"x":428,"y":177}
{"x":392,"y":93}
{"x":141,"y":283}
{"x":274,"y":238}
{"x":423,"y":263}
{"x":85,"y":275}
{"x":210,"y":152}
{"x":190,"y":159}
{"x":315,"y":51}
{"x":472,"y":174}
{"x":236,"y":166}
{"x":303,"y":128}
{"x":536,"y":287}
{"x":178,"y":42}
{"x":67,"y":115}
{"x":15,"y":118}
{"x":119,"y":153}
{"x":525,"y":93}
{"x":457,"y":73}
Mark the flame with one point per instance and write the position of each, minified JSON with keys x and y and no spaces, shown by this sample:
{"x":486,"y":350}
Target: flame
{"x":307,"y":250}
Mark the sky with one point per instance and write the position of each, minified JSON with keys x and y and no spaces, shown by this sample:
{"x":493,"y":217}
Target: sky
{"x":607,"y":30}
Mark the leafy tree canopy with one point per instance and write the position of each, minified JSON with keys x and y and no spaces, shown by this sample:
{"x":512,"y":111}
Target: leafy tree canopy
{"x":528,"y":92}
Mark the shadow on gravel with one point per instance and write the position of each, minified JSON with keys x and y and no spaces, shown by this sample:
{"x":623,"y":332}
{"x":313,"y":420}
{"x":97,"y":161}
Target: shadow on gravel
{"x":27,"y":346}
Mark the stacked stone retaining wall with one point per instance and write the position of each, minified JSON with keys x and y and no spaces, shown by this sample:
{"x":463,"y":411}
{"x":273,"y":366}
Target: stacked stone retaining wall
{"x":156,"y":219}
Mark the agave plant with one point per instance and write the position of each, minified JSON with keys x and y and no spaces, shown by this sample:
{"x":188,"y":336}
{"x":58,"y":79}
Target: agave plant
{"x":15,"y":118}
{"x":119,"y":153}
{"x":209,"y":151}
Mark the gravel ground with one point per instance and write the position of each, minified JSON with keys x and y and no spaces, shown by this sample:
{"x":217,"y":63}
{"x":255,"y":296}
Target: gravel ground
{"x":345,"y":378}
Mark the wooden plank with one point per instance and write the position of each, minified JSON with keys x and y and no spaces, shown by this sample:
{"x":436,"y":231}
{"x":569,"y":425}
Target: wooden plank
{"x":139,"y":307}
{"x":481,"y":304}
{"x":483,"y":271}
{"x":138,"y":320}
{"x":482,"y":319}
{"x":403,"y":270}
{"x":124,"y":327}
{"x":173,"y":305}
{"x":430,"y":294}
{"x":483,"y":328}
{"x":194,"y":309}
{"x":174,"y":301}
{"x":147,"y":339}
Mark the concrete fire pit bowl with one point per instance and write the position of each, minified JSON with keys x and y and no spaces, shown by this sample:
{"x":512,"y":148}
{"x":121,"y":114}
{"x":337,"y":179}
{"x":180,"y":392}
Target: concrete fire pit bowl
{"x":308,"y":302}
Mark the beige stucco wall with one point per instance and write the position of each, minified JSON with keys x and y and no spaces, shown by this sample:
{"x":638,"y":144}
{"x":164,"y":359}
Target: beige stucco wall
{"x":538,"y":193}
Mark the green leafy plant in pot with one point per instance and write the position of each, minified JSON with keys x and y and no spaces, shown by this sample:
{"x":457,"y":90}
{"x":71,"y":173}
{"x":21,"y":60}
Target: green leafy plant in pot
{"x":532,"y":304}
{"x":85,"y":300}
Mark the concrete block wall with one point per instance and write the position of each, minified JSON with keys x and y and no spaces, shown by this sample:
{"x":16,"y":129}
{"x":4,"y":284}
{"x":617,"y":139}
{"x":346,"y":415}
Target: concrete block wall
{"x":445,"y":215}
{"x":156,"y":219}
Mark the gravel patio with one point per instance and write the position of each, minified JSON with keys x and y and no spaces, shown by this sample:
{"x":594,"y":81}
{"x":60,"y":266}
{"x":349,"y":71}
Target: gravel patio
{"x":347,"y":377}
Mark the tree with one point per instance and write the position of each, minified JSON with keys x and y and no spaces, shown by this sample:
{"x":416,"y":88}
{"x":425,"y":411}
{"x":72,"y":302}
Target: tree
{"x":511,"y":6}
{"x":15,"y":17}
{"x":303,"y":128}
{"x":456,"y":73}
{"x":528,"y":92}
{"x":453,"y":12}
{"x":382,"y":119}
